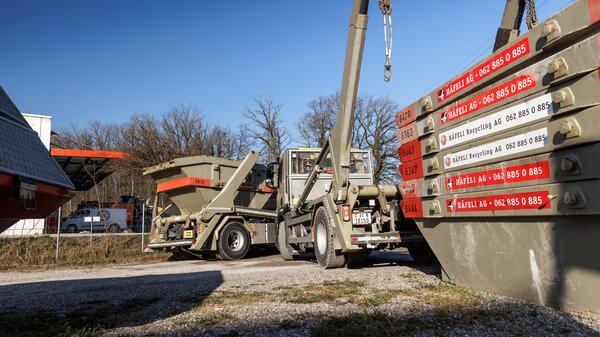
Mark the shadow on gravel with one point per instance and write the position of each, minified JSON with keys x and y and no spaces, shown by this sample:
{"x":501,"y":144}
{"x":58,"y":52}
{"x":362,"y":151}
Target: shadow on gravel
{"x":254,"y":252}
{"x":402,"y":258}
{"x":86,"y":307}
{"x":494,"y":319}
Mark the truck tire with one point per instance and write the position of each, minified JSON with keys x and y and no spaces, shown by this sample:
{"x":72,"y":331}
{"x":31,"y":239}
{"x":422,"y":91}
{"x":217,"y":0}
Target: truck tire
{"x":114,"y":228}
{"x":281,"y":243}
{"x":325,"y":252}
{"x":234,"y":241}
{"x":422,"y":253}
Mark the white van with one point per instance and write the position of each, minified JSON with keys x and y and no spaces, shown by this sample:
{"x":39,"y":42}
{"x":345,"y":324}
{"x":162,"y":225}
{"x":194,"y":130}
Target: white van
{"x":112,"y":220}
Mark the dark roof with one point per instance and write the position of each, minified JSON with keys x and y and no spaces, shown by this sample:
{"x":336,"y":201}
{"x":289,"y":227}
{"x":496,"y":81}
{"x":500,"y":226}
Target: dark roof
{"x":85,"y":168}
{"x":22,"y":153}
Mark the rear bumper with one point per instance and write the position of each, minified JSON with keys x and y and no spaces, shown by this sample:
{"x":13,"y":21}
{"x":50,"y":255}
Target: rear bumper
{"x":390,"y":237}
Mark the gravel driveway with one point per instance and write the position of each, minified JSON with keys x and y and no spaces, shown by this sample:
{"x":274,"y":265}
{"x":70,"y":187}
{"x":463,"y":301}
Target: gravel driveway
{"x":266,"y":296}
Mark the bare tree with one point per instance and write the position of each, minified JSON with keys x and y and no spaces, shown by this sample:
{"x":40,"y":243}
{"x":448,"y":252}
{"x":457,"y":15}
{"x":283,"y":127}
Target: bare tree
{"x":267,"y":126}
{"x":184,"y":132}
{"x":374,"y":129}
{"x":316,"y":124}
{"x":149,"y":140}
{"x":226,"y":143}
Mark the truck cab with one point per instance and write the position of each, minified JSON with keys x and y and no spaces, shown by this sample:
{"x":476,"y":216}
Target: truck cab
{"x":294,"y":167}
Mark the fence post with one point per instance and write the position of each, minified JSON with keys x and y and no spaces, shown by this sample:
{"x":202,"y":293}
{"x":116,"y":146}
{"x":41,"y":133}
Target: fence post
{"x":91,"y":230}
{"x":58,"y":231}
{"x":143,"y":223}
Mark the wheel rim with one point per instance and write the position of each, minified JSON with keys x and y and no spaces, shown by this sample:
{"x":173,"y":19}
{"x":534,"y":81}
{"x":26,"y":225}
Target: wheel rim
{"x":235,"y":240}
{"x":321,"y":238}
{"x":70,"y":229}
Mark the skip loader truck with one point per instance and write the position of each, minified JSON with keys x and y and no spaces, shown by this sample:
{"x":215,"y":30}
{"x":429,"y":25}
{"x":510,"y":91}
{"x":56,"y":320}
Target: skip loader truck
{"x":349,"y":217}
{"x":313,"y":200}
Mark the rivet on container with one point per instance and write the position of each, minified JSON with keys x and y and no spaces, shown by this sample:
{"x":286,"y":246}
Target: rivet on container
{"x":570,"y":165}
{"x":433,"y":187}
{"x":433,"y":164}
{"x":435,"y":208}
{"x":431,"y":144}
{"x":426,"y":103}
{"x":558,"y":67}
{"x":563,"y":97}
{"x":430,"y":124}
{"x":569,"y":128}
{"x":551,"y":30}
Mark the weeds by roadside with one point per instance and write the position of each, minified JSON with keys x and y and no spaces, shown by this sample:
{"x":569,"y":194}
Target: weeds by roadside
{"x":39,"y":252}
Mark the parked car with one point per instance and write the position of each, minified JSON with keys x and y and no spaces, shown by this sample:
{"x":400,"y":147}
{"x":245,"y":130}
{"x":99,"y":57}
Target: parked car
{"x":111,"y":220}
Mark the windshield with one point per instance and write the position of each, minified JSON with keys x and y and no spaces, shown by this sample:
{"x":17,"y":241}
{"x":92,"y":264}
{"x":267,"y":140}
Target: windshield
{"x":302,"y":162}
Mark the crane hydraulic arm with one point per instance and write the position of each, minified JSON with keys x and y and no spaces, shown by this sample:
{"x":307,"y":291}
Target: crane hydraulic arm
{"x":339,"y":141}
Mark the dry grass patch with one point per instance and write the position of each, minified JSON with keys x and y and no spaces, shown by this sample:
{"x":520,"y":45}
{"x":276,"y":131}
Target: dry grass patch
{"x":220,"y":298}
{"x":39,"y":252}
{"x":203,"y":319}
{"x":380,"y":298}
{"x":324,"y":292}
{"x":450,"y":297}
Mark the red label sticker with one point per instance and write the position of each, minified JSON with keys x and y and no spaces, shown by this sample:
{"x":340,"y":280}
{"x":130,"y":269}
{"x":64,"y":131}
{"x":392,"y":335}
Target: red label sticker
{"x":409,"y":188}
{"x":513,"y":174}
{"x":406,"y":116}
{"x":411,"y":170}
{"x":493,"y":96}
{"x":410,"y":151}
{"x":594,"y":9}
{"x":506,"y":202}
{"x":412,"y":208}
{"x":502,"y":60}
{"x":407,"y":133}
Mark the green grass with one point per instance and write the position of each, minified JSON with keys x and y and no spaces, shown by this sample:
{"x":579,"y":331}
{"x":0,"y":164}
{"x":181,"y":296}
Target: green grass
{"x":380,"y":298}
{"x":356,"y":325}
{"x":32,"y":253}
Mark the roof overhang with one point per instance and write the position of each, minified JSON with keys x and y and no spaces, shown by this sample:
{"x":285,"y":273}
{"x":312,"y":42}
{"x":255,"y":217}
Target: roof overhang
{"x":85,"y":168}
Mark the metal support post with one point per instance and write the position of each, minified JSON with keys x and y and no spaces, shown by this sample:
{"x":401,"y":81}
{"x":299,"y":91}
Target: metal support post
{"x":143,"y":223}
{"x":58,"y":231}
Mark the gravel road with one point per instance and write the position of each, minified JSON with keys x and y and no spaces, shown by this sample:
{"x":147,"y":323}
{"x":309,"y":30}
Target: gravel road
{"x":266,"y":296}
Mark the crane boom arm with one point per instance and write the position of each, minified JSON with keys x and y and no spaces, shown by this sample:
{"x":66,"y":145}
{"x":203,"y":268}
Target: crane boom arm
{"x":339,"y":141}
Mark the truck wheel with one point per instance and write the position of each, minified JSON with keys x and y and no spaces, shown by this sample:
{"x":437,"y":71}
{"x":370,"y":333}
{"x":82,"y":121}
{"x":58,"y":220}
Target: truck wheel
{"x":234,"y":241}
{"x":71,"y":229}
{"x":422,"y":253}
{"x":114,"y":228}
{"x":325,"y":252}
{"x":281,"y":243}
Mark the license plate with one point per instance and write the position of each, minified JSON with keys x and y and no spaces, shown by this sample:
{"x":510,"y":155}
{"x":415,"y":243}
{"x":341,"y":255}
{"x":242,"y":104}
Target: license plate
{"x":189,"y":234}
{"x":361,"y":218}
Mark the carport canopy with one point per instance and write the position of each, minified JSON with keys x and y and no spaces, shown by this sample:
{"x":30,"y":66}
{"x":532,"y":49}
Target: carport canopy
{"x":85,"y":168}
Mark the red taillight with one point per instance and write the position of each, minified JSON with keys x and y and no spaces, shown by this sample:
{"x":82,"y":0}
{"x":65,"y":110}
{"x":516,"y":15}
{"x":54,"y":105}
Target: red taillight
{"x":346,"y":212}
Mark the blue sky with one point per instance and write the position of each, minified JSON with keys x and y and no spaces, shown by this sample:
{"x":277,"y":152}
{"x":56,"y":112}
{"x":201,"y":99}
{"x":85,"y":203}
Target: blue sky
{"x":80,"y":61}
